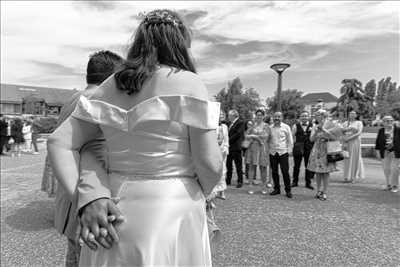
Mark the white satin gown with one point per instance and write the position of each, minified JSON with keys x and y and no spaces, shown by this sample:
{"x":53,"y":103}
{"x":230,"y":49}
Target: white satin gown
{"x":151,"y":170}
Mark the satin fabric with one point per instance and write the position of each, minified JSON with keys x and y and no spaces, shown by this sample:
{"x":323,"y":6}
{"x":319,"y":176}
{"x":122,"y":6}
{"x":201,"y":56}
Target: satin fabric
{"x":165,"y":225}
{"x":151,"y":169}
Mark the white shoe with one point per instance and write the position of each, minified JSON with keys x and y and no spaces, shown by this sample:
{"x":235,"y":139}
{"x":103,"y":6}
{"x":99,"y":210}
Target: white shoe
{"x":251,"y":192}
{"x":269,"y":185}
{"x":264,"y":191}
{"x":395,"y":189}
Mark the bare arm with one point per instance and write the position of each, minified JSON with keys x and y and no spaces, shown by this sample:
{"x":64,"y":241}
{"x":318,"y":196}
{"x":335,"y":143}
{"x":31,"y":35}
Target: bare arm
{"x":294,"y":129}
{"x":206,"y":157}
{"x":356,"y":134}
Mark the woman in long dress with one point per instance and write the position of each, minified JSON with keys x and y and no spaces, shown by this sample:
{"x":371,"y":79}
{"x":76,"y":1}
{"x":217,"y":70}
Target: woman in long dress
{"x":160,"y":131}
{"x":223,"y":142}
{"x":318,"y":162}
{"x":353,"y":165}
{"x":257,"y":153}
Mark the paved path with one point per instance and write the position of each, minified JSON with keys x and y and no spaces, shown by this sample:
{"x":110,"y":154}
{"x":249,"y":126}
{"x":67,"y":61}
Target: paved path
{"x":359,"y":225}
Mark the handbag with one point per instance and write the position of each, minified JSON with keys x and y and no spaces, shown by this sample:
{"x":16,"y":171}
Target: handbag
{"x":245,"y":143}
{"x":334,"y":147}
{"x":335,"y":157}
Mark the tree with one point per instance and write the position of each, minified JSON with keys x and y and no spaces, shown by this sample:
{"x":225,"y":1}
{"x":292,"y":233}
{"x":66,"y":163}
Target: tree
{"x":387,"y":97}
{"x":245,"y":101}
{"x":290,"y":102}
{"x":355,"y":98}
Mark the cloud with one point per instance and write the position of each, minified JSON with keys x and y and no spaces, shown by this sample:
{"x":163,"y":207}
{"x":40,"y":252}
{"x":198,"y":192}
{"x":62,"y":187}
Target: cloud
{"x":56,"y":69}
{"x":96,"y":5}
{"x":236,"y":38}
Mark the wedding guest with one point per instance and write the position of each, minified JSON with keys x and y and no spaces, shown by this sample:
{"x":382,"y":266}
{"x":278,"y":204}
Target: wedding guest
{"x":17,"y":137}
{"x":35,"y":135}
{"x":27,"y":134}
{"x":387,"y":146}
{"x":353,"y":165}
{"x":223,"y":142}
{"x":258,"y":152}
{"x":3,"y":133}
{"x":100,"y":66}
{"x":318,"y":161}
{"x":302,"y":149}
{"x":396,"y":148}
{"x":245,"y":146}
{"x":236,"y":137}
{"x":280,"y":146}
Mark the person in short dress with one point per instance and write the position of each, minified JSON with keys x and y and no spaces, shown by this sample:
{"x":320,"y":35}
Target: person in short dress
{"x":318,"y":162}
{"x":353,"y":165}
{"x":257,"y":153}
{"x":245,"y":149}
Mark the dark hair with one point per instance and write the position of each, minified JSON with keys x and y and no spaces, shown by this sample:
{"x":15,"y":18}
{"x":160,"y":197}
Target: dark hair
{"x":260,"y":111}
{"x":161,"y":38}
{"x":101,"y":65}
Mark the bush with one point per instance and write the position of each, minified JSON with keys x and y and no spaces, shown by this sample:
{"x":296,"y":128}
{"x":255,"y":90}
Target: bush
{"x":45,"y":124}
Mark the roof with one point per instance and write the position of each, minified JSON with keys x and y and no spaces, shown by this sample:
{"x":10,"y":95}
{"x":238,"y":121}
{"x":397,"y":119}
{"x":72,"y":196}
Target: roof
{"x":13,"y":93}
{"x":315,"y":97}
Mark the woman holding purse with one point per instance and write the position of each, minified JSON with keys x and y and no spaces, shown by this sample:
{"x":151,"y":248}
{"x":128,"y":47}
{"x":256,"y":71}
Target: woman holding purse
{"x":353,"y":165}
{"x":318,"y":162}
{"x":258,"y":151}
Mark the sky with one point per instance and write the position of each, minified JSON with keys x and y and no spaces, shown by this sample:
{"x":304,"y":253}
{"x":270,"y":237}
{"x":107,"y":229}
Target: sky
{"x":48,"y":43}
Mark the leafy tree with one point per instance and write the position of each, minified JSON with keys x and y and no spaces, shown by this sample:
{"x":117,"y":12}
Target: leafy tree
{"x":370,"y":89}
{"x":388,"y":96}
{"x":355,"y":98}
{"x":245,"y":101}
{"x":291,"y":103}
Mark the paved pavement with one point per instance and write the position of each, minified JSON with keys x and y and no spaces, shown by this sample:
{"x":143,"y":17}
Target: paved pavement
{"x":359,"y":224}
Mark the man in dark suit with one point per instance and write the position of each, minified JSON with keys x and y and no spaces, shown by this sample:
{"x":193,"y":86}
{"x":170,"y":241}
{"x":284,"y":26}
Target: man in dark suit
{"x":302,"y":148}
{"x":3,"y":133}
{"x":236,"y":137}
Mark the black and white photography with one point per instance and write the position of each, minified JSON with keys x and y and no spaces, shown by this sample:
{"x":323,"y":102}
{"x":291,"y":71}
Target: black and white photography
{"x":200,"y":133}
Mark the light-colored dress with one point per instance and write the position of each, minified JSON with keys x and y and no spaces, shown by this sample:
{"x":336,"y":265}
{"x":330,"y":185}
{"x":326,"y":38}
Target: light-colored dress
{"x":223,"y":142}
{"x":353,"y":166}
{"x":318,"y":161}
{"x":152,"y":171}
{"x":257,"y":153}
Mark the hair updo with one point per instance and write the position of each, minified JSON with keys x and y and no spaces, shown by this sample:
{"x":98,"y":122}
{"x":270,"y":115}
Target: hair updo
{"x":161,"y":38}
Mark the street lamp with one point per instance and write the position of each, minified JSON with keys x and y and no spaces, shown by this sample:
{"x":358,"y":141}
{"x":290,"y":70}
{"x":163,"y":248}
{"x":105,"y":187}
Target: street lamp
{"x":279,"y":68}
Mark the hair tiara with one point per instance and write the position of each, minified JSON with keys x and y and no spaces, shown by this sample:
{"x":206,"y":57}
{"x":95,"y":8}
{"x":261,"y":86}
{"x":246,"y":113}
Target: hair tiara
{"x":159,"y":16}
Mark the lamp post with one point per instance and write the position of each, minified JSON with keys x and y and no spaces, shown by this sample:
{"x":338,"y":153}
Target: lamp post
{"x":279,"y":68}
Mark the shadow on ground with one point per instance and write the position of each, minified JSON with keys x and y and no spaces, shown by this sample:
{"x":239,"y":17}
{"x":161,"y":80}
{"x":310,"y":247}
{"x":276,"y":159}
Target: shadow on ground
{"x":36,"y":216}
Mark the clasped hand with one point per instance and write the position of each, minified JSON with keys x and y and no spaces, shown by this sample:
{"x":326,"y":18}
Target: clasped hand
{"x":97,"y":223}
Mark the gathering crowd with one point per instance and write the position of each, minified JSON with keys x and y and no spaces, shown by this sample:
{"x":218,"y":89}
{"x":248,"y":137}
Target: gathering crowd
{"x":151,"y":165}
{"x":17,"y":135}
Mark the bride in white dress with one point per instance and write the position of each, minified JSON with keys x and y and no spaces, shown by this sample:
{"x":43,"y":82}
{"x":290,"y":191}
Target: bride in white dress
{"x":160,"y":131}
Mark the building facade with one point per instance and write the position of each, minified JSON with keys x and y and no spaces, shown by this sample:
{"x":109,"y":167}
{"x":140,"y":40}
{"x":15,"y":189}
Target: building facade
{"x":315,"y":101}
{"x":33,"y":100}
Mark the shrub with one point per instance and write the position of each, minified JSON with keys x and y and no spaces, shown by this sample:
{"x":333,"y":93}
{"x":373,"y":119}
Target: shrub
{"x":45,"y":124}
